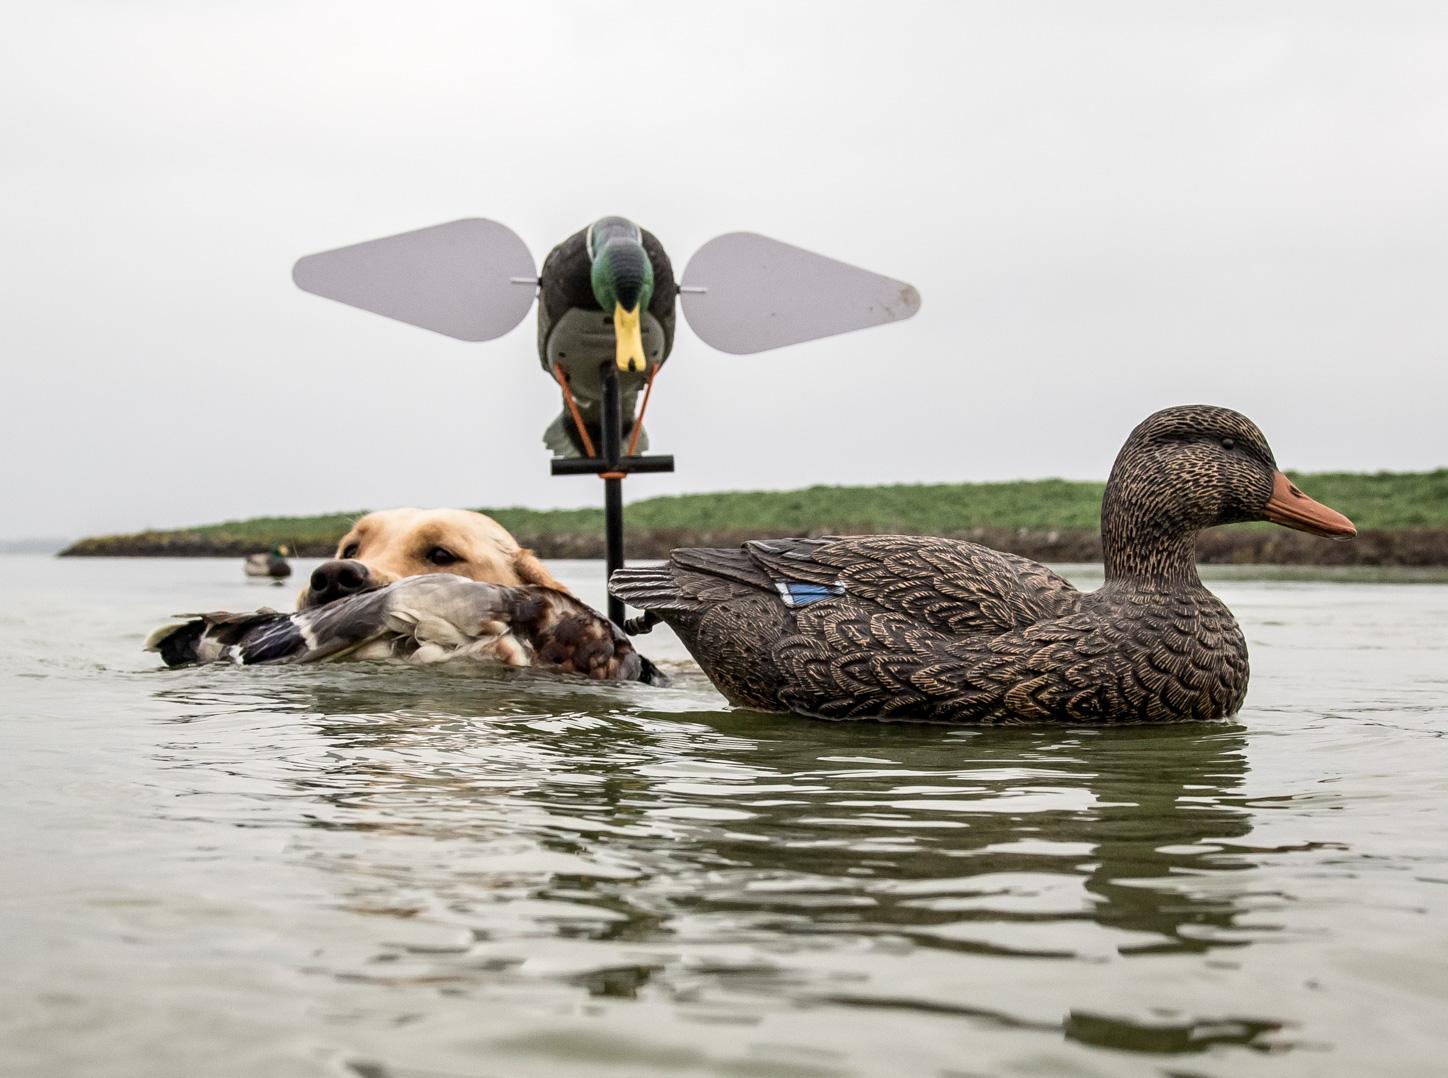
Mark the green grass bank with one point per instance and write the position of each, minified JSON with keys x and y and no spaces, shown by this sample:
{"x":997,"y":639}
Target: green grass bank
{"x":1402,"y":520}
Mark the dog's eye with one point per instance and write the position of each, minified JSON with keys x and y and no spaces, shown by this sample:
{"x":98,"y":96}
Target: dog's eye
{"x":440,"y":556}
{"x":350,"y":550}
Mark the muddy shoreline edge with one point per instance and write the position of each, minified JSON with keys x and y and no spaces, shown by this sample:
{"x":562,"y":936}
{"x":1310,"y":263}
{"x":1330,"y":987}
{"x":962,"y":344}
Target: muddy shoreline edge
{"x":1411,"y":547}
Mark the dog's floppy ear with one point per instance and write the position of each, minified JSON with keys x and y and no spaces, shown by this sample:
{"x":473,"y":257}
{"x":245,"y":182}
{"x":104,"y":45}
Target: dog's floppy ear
{"x":531,"y":571}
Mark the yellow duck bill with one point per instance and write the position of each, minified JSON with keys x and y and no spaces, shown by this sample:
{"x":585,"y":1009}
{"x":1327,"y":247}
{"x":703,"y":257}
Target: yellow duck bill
{"x":630,"y":341}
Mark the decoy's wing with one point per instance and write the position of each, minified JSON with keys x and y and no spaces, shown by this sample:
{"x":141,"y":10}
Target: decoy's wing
{"x":460,"y":278}
{"x":945,"y":584}
{"x":694,"y":577}
{"x":564,"y":282}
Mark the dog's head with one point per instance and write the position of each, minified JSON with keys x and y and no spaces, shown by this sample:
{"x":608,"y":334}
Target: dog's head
{"x":394,"y":543}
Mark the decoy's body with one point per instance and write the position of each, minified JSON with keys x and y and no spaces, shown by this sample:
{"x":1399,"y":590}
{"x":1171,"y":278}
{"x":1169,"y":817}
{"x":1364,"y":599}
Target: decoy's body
{"x":422,"y":619}
{"x":273,"y":564}
{"x":940,"y":630}
{"x":607,"y":296}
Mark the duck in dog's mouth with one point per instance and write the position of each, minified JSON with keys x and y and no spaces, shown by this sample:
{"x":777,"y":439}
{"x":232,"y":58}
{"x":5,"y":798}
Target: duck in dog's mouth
{"x":337,"y":579}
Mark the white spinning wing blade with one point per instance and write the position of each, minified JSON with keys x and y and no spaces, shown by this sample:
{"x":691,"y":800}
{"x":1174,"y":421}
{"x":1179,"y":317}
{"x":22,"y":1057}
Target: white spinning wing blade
{"x":744,"y":292}
{"x":471,"y":279}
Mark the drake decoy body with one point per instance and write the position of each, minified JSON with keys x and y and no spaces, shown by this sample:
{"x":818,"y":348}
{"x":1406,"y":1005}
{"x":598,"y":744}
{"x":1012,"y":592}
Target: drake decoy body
{"x":422,"y":619}
{"x":606,"y":295}
{"x":905,"y":627}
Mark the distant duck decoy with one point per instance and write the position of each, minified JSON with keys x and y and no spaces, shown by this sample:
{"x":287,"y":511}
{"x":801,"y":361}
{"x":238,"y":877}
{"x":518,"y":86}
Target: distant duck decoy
{"x":426,"y":619}
{"x":272,"y":564}
{"x":902,"y":627}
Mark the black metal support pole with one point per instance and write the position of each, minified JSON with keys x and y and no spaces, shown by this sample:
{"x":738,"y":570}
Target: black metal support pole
{"x":613,"y":483}
{"x":613,"y":525}
{"x":612,"y":465}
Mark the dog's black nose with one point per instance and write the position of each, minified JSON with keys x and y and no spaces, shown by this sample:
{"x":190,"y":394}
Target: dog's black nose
{"x":336,"y":579}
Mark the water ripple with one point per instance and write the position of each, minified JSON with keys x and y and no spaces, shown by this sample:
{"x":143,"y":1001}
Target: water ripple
{"x":380,"y":871}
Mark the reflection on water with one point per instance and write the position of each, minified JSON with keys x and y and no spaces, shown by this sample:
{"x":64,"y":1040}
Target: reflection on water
{"x":544,"y":814}
{"x":378,"y":871}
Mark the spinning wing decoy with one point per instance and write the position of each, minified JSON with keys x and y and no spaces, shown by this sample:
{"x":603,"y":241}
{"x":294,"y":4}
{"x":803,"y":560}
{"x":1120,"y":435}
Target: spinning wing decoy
{"x":608,"y":294}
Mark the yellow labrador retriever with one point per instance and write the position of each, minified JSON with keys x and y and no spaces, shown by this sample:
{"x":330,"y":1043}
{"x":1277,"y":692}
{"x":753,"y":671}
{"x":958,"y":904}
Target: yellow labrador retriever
{"x":394,"y":543}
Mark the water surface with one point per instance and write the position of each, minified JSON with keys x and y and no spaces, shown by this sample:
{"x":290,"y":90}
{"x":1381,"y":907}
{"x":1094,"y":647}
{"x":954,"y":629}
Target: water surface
{"x":377,"y":871}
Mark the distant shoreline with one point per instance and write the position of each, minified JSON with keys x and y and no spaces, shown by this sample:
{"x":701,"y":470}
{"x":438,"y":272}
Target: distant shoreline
{"x":1402,"y":520}
{"x":1418,"y":548}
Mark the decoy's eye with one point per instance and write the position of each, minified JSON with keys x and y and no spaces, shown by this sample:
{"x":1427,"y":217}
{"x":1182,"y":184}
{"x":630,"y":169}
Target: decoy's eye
{"x":350,"y":550}
{"x":442,"y":556}
{"x":1229,"y":443}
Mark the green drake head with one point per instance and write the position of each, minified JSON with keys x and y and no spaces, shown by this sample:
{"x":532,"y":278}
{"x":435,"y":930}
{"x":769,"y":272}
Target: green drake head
{"x":623,"y":282}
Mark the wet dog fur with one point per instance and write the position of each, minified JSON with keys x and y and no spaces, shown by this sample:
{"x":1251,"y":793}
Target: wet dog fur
{"x":396,"y":543}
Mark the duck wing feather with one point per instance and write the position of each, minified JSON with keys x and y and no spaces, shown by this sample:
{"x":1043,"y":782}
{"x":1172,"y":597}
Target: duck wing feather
{"x":945,"y":584}
{"x":424,"y":618}
{"x":942,"y":584}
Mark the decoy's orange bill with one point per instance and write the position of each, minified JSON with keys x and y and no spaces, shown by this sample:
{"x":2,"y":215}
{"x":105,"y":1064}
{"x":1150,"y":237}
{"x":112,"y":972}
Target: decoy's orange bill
{"x":1291,"y":508}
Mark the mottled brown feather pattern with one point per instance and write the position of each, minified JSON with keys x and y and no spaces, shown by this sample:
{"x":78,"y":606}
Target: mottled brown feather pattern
{"x":568,"y":637}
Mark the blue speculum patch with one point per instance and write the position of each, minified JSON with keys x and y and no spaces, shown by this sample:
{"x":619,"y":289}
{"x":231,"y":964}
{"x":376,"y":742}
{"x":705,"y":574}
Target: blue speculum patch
{"x":798,"y":593}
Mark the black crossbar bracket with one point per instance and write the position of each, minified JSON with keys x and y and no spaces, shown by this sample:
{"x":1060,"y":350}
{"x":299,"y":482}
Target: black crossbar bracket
{"x":612,"y":466}
{"x":597,"y":465}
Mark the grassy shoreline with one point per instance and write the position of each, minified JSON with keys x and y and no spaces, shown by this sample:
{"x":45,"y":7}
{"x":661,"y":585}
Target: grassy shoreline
{"x":1402,"y":519}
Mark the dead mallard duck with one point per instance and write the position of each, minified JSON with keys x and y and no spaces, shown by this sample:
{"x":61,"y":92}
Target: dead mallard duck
{"x":421,"y":619}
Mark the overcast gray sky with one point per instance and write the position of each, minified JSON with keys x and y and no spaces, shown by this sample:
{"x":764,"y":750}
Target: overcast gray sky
{"x":1106,"y":207}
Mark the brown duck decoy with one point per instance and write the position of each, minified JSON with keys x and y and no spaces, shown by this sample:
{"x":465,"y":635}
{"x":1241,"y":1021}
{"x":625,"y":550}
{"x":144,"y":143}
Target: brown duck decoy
{"x":904,"y":627}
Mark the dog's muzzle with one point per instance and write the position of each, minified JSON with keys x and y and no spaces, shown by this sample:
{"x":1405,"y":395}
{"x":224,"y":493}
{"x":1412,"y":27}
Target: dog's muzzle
{"x":337,"y":579}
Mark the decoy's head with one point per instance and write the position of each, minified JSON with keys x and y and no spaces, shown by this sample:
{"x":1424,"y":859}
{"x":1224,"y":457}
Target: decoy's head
{"x":1196,"y":466}
{"x":623,"y":283}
